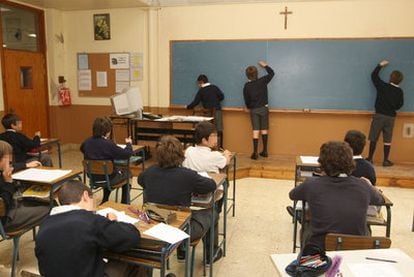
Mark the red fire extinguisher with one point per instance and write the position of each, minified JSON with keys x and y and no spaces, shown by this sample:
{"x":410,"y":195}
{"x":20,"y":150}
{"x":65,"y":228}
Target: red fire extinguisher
{"x":63,"y":93}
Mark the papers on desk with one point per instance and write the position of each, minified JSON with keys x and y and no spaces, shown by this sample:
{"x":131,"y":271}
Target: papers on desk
{"x":309,"y":160}
{"x":204,"y":174}
{"x":43,"y":139}
{"x":40,"y":175}
{"x":377,"y":269}
{"x":167,"y":233}
{"x":121,"y":216}
{"x":121,"y":145}
{"x":191,"y":118}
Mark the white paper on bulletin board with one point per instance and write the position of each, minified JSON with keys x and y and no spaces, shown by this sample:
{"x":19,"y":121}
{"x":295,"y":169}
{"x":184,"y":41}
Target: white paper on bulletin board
{"x":119,"y":86}
{"x":122,"y":75}
{"x":137,"y":74}
{"x":137,"y":60}
{"x":119,"y":61}
{"x":85,"y":80}
{"x":101,"y":79}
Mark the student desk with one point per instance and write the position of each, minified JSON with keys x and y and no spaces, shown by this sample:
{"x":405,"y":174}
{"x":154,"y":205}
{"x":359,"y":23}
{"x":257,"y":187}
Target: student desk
{"x":139,"y":129}
{"x":305,"y":167}
{"x":219,"y":179}
{"x":233,"y":164}
{"x":354,"y":262}
{"x":44,"y":179}
{"x":151,"y":252}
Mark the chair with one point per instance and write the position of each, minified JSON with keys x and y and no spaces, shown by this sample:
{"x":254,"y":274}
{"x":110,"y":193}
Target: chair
{"x":15,"y":235}
{"x":335,"y":242}
{"x":104,"y":168}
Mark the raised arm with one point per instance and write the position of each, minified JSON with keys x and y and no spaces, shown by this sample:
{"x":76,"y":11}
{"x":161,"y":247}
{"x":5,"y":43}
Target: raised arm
{"x":269,"y":70}
{"x":375,"y":74}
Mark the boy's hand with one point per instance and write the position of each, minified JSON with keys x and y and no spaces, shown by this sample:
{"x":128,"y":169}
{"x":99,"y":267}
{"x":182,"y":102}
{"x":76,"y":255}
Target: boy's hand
{"x":128,"y":140}
{"x":37,"y":133}
{"x":33,"y":164}
{"x":384,"y":63}
{"x":111,"y":216}
{"x":262,"y":63}
{"x":7,"y":173}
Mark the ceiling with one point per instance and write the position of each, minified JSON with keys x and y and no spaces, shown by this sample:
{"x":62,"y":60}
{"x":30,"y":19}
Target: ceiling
{"x":69,"y":5}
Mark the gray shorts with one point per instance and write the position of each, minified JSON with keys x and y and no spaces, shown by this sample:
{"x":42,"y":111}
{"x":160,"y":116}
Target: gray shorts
{"x":382,"y":123}
{"x":260,"y":118}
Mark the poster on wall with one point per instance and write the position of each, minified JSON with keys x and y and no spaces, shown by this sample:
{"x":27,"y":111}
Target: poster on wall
{"x":119,"y":61}
{"x":137,"y":66}
{"x":83,"y":62}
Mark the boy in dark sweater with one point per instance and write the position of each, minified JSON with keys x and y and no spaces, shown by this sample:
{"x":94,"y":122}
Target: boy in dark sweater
{"x":210,"y":97}
{"x":338,"y":202}
{"x":72,"y":239}
{"x":256,"y":100}
{"x":389,"y":99}
{"x":21,"y":143}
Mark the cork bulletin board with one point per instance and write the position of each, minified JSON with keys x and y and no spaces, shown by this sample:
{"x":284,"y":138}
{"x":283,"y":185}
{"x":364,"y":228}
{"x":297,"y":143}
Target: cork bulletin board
{"x":102,"y":74}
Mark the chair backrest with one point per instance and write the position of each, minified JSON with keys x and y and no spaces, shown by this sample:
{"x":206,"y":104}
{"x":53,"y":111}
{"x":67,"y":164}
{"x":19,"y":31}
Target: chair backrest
{"x":335,"y":241}
{"x":95,"y":168}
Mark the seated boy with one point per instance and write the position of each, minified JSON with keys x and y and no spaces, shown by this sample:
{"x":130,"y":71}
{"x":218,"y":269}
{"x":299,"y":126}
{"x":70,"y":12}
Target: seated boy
{"x":167,"y":182}
{"x":101,"y":147}
{"x":72,"y":239}
{"x":202,"y":157}
{"x":363,"y":168}
{"x":20,"y":213}
{"x":338,"y":202}
{"x":21,"y":143}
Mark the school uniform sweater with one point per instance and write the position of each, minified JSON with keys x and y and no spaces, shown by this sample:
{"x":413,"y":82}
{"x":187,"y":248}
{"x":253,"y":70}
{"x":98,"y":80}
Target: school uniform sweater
{"x":255,"y":92}
{"x":173,"y":186}
{"x":21,"y":144}
{"x":337,"y":205}
{"x":390,"y":98}
{"x":364,"y":168}
{"x":72,"y":243}
{"x":210,"y":96}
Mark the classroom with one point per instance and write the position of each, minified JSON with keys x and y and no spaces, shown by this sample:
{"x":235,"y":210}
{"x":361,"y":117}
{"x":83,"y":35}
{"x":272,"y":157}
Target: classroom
{"x":322,"y":53}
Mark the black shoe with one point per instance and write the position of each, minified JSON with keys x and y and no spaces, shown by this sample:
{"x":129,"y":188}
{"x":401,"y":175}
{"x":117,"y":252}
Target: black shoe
{"x":387,"y":163}
{"x":263,"y":154}
{"x":290,"y":210}
{"x":180,"y":255}
{"x":218,"y":256}
{"x":254,"y":156}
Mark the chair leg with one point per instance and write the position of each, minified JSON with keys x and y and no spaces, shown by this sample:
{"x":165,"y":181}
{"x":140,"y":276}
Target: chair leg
{"x":192,"y":260}
{"x":116,"y":195}
{"x":204,"y":258}
{"x":34,"y":233}
{"x":15,"y":254}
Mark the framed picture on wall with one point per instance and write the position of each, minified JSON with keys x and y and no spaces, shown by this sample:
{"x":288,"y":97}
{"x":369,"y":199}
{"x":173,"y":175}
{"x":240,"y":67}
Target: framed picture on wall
{"x":102,"y":26}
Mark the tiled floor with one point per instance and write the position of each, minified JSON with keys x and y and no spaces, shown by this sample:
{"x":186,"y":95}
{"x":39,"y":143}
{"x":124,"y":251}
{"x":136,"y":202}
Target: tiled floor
{"x":261,"y":227}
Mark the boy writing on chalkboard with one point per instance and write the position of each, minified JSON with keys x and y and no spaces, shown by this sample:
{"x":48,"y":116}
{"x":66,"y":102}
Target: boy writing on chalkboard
{"x":210,"y":97}
{"x":389,"y":99}
{"x":256,"y":100}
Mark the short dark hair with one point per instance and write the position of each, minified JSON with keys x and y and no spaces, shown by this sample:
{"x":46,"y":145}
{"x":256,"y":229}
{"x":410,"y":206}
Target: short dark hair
{"x":10,"y":119}
{"x":251,"y":72}
{"x":356,"y":140}
{"x":203,"y":130}
{"x":396,"y":77}
{"x":202,"y":78}
{"x":5,"y":149}
{"x":169,"y":152}
{"x":71,"y":192}
{"x":101,"y":126}
{"x":336,"y":157}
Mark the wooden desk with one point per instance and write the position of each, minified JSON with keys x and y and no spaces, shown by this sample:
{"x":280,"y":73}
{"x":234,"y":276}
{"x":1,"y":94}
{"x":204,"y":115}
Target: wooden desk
{"x":151,"y":130}
{"x":404,"y":265}
{"x":233,"y":164}
{"x":53,"y":183}
{"x":49,"y":142}
{"x":151,"y":252}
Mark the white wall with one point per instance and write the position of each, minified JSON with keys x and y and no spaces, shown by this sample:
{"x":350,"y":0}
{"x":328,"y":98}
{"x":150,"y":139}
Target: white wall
{"x":354,"y":19}
{"x":128,"y":34}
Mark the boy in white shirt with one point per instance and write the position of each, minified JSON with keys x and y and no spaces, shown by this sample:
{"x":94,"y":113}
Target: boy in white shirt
{"x":202,"y":157}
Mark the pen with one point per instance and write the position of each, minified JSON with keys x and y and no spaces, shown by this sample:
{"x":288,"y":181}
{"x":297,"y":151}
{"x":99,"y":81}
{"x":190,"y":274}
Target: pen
{"x":380,"y":260}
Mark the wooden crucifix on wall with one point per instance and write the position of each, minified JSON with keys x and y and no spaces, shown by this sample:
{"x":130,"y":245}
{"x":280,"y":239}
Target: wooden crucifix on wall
{"x":286,"y":13}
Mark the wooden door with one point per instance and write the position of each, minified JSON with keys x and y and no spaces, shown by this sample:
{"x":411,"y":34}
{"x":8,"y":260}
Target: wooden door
{"x":25,"y":89}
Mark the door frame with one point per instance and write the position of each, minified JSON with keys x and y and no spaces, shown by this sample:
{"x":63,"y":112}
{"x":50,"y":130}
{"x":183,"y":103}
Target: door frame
{"x":41,"y":44}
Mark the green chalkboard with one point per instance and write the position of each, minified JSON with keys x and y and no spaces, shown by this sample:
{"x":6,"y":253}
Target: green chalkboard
{"x":331,"y":74}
